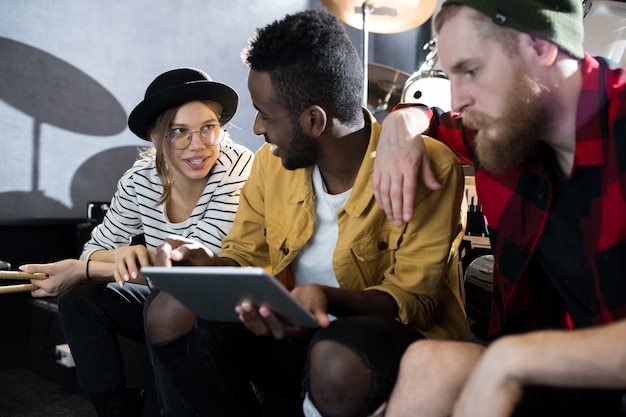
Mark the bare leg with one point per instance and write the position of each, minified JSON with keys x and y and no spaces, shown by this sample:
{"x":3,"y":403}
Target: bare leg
{"x":432,"y":374}
{"x":167,"y":319}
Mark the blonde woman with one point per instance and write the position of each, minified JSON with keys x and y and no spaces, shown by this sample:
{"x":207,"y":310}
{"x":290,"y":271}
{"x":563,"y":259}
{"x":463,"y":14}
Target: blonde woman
{"x":186,"y":184}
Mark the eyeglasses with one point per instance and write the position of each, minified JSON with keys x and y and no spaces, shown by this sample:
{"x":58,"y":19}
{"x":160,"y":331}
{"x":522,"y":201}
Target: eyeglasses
{"x":180,"y":137}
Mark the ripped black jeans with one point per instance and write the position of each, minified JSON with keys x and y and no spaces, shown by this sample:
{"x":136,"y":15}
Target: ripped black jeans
{"x":222,"y":369}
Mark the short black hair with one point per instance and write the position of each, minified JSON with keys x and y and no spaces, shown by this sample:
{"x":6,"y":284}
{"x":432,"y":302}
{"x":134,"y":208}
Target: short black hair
{"x":311,"y":61}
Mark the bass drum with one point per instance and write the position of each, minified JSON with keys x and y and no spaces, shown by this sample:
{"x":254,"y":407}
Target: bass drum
{"x":429,"y":87}
{"x":605,"y":30}
{"x":478,"y":265}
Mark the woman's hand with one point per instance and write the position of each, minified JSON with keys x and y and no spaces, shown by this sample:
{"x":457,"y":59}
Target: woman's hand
{"x":128,"y":261}
{"x":62,"y":276}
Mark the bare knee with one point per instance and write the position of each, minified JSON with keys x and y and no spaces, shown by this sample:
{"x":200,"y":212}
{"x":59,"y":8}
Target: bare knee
{"x":445,"y":362}
{"x":340,"y":382}
{"x":167,"y":319}
{"x":431,"y":376}
{"x":423,"y":355}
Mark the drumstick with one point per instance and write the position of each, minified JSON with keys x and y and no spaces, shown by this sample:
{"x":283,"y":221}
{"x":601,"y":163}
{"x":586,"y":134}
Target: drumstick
{"x":17,"y":288}
{"x":21,"y":275}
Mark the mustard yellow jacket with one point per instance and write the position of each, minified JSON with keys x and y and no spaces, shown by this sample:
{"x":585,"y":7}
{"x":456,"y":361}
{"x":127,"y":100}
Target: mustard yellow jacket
{"x":275,"y":220}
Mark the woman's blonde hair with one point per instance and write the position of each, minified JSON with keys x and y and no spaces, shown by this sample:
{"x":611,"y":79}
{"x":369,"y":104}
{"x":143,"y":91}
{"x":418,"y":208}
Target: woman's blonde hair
{"x":157,"y":133}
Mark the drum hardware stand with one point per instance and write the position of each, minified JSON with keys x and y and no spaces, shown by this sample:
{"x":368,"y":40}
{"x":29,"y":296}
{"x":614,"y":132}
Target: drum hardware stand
{"x":365,"y":10}
{"x":389,"y":16}
{"x":586,"y":7}
{"x":431,"y":58}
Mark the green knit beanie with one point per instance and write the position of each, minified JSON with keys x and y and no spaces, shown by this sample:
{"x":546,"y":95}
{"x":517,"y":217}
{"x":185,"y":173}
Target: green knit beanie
{"x":558,"y":21}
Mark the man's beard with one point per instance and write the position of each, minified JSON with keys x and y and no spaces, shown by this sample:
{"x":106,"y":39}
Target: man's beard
{"x":505,"y":141}
{"x":303,"y":150}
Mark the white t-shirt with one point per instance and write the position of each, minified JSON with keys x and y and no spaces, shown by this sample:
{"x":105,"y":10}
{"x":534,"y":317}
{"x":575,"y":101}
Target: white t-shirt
{"x":314,"y":263}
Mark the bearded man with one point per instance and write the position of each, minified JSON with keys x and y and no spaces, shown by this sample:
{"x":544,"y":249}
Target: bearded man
{"x":545,"y":131}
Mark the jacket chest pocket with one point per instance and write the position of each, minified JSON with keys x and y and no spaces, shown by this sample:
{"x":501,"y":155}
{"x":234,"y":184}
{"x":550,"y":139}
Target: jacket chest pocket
{"x":374,"y":254}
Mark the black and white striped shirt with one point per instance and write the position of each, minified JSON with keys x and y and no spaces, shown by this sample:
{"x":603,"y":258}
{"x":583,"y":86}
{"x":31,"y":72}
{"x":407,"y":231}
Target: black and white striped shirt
{"x":133,"y":209}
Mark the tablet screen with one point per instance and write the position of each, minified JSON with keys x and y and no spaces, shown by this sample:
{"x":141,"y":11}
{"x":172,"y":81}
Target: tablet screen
{"x":212,"y":292}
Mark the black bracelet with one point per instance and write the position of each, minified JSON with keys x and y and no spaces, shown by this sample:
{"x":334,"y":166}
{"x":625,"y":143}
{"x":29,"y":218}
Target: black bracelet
{"x":87,"y":270}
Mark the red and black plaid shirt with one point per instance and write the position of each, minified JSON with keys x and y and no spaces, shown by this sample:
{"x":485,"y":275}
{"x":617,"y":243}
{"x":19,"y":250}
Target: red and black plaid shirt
{"x":516,"y":206}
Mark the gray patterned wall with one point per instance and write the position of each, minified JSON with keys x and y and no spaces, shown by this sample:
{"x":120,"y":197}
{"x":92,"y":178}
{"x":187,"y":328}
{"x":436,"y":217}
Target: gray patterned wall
{"x":72,"y":70}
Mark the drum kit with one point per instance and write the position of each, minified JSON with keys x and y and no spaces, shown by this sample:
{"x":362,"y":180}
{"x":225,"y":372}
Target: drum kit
{"x":605,"y":34}
{"x":385,"y":17}
{"x":389,"y":86}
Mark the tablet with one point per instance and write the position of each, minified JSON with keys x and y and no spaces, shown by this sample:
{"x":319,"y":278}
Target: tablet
{"x":212,"y":292}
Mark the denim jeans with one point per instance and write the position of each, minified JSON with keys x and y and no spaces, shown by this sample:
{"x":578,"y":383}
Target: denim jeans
{"x":212,"y":367}
{"x":91,"y":316}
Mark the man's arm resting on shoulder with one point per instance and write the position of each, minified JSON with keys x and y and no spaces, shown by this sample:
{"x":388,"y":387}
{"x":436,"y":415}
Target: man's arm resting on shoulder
{"x":400,"y":159}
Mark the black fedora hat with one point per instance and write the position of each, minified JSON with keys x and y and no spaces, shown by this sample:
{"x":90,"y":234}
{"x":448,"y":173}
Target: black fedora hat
{"x":177,"y":87}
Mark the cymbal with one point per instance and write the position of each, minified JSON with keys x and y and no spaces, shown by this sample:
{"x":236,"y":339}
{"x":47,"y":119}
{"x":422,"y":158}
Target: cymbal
{"x":384,"y":16}
{"x":384,"y":86}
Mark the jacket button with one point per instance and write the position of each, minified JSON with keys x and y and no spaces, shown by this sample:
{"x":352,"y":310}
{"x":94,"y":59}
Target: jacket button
{"x":382,"y":245}
{"x":285,"y":251}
